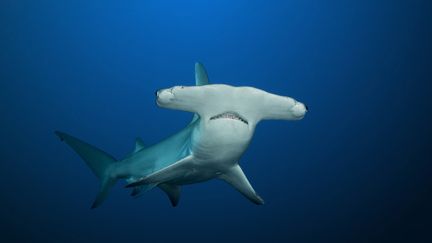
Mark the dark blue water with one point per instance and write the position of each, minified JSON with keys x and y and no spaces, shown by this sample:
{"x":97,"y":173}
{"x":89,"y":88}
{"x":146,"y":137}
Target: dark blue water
{"x":356,"y":169}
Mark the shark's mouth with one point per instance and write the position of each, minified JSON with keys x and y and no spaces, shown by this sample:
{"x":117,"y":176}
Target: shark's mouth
{"x":230,"y":115}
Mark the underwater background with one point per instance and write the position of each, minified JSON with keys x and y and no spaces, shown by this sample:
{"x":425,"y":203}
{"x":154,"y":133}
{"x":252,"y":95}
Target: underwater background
{"x":357,"y":168}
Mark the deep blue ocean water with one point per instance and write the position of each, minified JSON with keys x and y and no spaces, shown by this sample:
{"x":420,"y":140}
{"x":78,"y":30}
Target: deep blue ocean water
{"x":355,"y":169}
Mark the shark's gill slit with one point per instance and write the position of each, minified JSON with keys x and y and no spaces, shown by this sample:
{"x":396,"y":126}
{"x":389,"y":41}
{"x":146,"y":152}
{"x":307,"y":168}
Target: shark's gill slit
{"x":230,"y":115}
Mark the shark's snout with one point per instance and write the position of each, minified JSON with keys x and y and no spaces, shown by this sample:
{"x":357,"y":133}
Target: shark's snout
{"x":299,"y":110}
{"x":164,"y":96}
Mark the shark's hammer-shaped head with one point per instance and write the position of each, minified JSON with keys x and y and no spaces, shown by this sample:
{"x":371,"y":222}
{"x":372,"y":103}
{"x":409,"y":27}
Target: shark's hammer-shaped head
{"x":246,"y":104}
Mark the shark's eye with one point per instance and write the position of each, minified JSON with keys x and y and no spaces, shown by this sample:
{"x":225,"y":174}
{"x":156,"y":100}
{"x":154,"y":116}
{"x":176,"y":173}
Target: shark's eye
{"x":182,"y":87}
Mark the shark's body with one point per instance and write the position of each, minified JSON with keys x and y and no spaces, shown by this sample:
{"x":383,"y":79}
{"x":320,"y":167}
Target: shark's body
{"x":209,"y":147}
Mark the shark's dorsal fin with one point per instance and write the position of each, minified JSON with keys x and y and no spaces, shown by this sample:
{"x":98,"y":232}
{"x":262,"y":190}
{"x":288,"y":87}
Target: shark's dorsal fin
{"x":236,"y":178}
{"x":172,"y":191}
{"x":201,"y":78}
{"x":139,"y":144}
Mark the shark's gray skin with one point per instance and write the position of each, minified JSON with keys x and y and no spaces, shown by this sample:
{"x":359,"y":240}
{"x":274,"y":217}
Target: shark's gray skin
{"x":209,"y":147}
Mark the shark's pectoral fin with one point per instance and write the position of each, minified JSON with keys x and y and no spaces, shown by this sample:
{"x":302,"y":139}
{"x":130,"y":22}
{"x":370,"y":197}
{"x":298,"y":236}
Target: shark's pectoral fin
{"x":236,"y":178}
{"x":176,"y":170}
{"x":172,"y":191}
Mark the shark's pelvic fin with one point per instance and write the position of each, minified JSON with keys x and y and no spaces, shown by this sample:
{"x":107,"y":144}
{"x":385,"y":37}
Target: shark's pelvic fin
{"x":135,"y":191}
{"x":172,"y":191}
{"x":236,"y":178}
{"x":178,"y":169}
{"x":98,"y":161}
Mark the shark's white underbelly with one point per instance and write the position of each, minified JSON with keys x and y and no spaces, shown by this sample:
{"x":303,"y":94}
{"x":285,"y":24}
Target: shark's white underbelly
{"x":216,"y":146}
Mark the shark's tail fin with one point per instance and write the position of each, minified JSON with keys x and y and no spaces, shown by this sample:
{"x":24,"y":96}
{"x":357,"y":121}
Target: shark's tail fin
{"x":98,"y":161}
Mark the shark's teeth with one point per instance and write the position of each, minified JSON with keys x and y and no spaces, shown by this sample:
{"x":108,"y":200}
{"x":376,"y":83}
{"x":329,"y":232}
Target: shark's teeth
{"x":230,"y":115}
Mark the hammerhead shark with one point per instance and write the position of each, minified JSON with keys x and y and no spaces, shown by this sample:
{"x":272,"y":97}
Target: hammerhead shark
{"x":209,"y":147}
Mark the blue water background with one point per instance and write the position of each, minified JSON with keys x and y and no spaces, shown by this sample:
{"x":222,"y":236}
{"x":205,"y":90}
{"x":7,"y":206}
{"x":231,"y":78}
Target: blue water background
{"x":356,"y":169}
